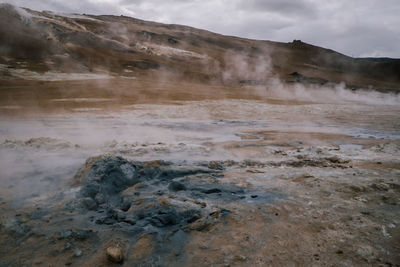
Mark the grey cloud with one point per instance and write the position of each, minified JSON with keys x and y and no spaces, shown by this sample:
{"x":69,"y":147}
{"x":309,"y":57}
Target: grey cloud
{"x":71,"y":6}
{"x":300,"y":8}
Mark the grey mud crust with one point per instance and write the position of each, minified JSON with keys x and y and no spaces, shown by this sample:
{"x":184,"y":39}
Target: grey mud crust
{"x":140,"y":212}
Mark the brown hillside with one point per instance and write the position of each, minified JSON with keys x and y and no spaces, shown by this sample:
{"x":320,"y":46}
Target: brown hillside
{"x":130,"y":47}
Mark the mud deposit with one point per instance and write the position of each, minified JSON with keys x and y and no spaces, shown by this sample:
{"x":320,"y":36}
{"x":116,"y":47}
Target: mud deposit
{"x":206,"y":183}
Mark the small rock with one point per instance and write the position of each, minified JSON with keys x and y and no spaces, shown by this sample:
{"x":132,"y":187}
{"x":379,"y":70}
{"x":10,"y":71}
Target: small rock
{"x":215,"y":214}
{"x":201,"y":204}
{"x":380,"y":187}
{"x":334,"y":159}
{"x":194,"y":218}
{"x":365,"y":251}
{"x":82,"y":234}
{"x":215,"y":165}
{"x":89,"y":203}
{"x":239,"y":258}
{"x":159,"y":193}
{"x":212,"y":191}
{"x":118,"y":215}
{"x":130,"y":221}
{"x":100,"y":199}
{"x":281,"y":152}
{"x":365,"y":212}
{"x":67,"y":246}
{"x":165,"y":218}
{"x":78,"y":253}
{"x":65,"y":234}
{"x":218,"y":213}
{"x":125,"y":206}
{"x":115,"y":254}
{"x":106,"y":220}
{"x":176,"y":186}
{"x":199,"y":225}
{"x":357,"y":189}
{"x":361,"y":199}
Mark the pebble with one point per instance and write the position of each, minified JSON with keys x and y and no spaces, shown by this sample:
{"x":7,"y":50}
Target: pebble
{"x":78,"y":253}
{"x":176,"y":186}
{"x":89,"y":203}
{"x":115,"y":254}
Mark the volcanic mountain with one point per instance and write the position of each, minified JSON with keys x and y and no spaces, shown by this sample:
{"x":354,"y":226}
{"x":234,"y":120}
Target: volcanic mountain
{"x":47,"y":46}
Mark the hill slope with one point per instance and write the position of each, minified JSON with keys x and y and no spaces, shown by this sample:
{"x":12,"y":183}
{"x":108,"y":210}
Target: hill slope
{"x":46,"y":41}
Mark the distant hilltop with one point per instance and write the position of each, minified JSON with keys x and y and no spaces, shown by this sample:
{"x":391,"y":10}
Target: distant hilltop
{"x":126,"y":46}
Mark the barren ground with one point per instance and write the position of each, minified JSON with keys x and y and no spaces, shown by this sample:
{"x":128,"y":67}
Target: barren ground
{"x":268,"y":181}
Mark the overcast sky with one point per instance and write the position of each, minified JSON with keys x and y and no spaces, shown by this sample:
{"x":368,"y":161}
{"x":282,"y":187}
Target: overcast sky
{"x":353,"y":27}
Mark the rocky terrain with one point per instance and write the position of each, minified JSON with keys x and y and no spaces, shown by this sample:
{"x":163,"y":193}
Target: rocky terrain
{"x":132,"y":143}
{"x":221,"y":190}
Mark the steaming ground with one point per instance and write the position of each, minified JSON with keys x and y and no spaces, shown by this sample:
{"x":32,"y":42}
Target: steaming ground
{"x":273,"y":180}
{"x":127,"y":142}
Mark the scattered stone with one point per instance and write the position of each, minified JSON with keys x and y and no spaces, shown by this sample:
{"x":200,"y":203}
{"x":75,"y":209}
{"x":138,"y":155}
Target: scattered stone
{"x":365,"y":251}
{"x":357,"y":189}
{"x":78,"y":253}
{"x":65,"y":234}
{"x":216,"y":165}
{"x":115,"y":254}
{"x":280,"y":152}
{"x":239,"y":258}
{"x":201,"y":204}
{"x":115,"y":182}
{"x":176,"y":186}
{"x":194,"y":218}
{"x":67,"y":246}
{"x":89,"y":203}
{"x":251,"y":163}
{"x":125,"y":206}
{"x":219,"y":213}
{"x":361,"y":199}
{"x":75,"y":234}
{"x":125,"y":196}
{"x":391,"y":199}
{"x":165,"y":218}
{"x":215,"y":214}
{"x":199,"y":225}
{"x":100,"y":199}
{"x":212,"y":191}
{"x":337,"y":160}
{"x":380,"y":187}
{"x":82,"y":234}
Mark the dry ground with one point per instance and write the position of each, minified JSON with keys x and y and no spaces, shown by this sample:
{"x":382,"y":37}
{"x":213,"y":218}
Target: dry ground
{"x":334,"y":165}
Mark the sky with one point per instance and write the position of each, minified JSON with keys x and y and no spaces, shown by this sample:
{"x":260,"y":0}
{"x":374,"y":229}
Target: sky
{"x":358,"y":28}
